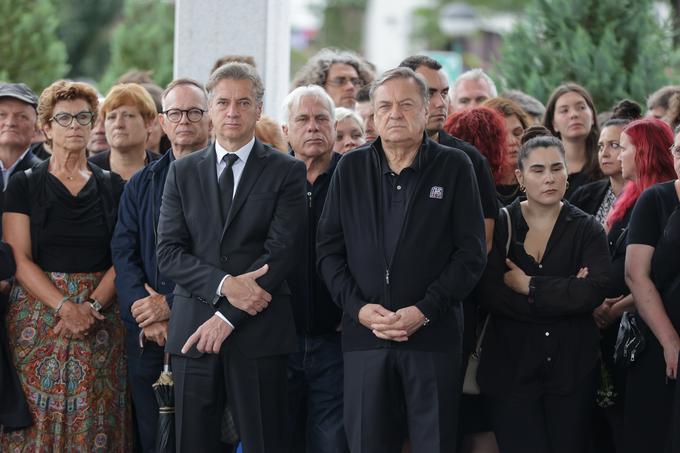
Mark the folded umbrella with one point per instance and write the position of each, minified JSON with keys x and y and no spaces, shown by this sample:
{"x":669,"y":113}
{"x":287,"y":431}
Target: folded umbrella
{"x":164,"y":388}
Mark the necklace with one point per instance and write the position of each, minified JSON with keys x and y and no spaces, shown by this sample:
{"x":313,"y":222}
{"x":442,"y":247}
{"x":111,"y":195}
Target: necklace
{"x":71,"y":178}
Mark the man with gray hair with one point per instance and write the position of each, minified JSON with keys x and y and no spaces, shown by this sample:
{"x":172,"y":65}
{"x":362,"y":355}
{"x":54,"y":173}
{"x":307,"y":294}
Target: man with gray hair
{"x":471,"y":89}
{"x":340,"y":72}
{"x":229,"y":221}
{"x":315,"y":371}
{"x":398,"y":257}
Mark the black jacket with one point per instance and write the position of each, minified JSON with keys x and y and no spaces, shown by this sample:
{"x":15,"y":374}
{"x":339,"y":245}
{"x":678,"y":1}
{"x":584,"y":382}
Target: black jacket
{"x":549,"y":345}
{"x":438,"y":260}
{"x":313,"y":308}
{"x":589,"y":197}
{"x":487,"y":189}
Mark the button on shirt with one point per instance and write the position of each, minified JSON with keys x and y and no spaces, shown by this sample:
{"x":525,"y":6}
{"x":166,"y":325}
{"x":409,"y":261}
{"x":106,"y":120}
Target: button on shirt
{"x":237,"y":168}
{"x":397,"y":190}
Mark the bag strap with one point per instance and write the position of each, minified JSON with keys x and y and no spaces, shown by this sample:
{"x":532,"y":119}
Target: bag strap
{"x":480,"y":338}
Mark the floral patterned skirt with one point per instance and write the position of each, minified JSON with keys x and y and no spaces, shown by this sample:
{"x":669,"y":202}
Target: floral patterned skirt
{"x":76,"y":389}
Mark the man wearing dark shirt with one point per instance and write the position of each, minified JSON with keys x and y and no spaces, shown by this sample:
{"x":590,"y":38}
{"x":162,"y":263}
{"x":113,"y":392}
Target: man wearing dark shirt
{"x":315,"y":371}
{"x":400,"y":243}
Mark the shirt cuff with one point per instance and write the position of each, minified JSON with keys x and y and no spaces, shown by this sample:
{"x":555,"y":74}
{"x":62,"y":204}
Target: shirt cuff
{"x":221,"y":316}
{"x":219,"y":287}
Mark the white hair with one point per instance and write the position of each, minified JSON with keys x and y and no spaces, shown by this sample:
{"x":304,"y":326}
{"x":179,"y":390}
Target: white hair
{"x":315,"y":91}
{"x":342,"y":113}
{"x":475,"y":74}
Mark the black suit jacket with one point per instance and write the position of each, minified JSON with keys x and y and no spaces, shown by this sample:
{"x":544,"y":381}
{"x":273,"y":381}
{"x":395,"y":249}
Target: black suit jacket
{"x":440,"y":255}
{"x":196,"y":250}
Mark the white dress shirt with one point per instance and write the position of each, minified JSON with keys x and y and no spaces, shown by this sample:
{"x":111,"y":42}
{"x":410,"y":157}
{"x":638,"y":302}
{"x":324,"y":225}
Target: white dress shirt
{"x":237,"y":167}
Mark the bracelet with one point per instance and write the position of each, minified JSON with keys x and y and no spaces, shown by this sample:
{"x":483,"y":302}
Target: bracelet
{"x":60,"y":305}
{"x":95,"y":304}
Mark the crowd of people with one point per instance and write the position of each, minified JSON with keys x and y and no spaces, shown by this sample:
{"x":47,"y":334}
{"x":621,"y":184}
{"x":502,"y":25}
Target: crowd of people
{"x":404,"y":264}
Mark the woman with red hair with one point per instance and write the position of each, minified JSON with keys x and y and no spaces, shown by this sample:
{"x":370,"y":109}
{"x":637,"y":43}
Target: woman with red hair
{"x":484,"y":128}
{"x":650,"y":198}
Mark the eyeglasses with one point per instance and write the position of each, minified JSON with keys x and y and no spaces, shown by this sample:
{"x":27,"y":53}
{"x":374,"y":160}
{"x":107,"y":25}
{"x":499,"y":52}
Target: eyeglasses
{"x":175,"y":115}
{"x":342,"y":81}
{"x":675,"y":150}
{"x":65,"y":119}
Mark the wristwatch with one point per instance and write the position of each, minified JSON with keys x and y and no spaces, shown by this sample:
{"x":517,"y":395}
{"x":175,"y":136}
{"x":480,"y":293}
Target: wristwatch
{"x":95,"y":304}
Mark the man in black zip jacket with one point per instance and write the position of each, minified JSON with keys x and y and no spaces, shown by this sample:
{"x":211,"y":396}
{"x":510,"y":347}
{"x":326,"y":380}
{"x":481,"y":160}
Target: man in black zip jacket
{"x":315,"y":371}
{"x":400,"y":243}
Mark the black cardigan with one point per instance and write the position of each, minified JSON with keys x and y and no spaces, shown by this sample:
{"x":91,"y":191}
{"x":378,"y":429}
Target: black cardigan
{"x":589,"y":197}
{"x":439,"y":258}
{"x":548,"y":345}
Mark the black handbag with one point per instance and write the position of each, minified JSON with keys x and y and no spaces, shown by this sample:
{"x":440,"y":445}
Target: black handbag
{"x":630,"y":340}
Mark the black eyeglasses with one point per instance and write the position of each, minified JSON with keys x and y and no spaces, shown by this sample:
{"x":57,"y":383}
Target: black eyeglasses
{"x":342,"y":81}
{"x":175,"y":115}
{"x":65,"y":119}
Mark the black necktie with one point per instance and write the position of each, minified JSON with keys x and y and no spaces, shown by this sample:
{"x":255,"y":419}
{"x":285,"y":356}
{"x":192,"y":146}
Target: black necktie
{"x":226,"y":184}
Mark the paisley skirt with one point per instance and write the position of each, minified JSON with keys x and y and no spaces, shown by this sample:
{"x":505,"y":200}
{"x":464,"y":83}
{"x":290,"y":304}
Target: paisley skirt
{"x":76,"y":389}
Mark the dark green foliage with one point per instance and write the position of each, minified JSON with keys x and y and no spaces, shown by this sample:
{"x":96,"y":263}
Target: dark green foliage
{"x":143,"y":41}
{"x":30,"y":51}
{"x":615,"y":48}
{"x":86,"y":27}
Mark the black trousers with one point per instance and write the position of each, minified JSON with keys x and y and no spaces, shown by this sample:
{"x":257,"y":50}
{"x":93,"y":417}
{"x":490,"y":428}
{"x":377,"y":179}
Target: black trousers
{"x":256,"y":390}
{"x":546,"y":423}
{"x":390,"y":393}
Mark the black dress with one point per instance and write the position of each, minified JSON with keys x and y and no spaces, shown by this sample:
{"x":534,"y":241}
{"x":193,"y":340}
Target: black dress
{"x":649,"y":395}
{"x":543,"y":351}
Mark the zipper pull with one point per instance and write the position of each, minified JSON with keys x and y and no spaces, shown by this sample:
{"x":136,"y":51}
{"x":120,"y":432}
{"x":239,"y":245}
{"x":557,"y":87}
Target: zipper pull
{"x":309,"y":198}
{"x":387,"y":276}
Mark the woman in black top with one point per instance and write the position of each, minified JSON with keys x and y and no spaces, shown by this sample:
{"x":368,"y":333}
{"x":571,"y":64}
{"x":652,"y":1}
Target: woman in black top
{"x":652,"y":274}
{"x":570,"y":115}
{"x":63,"y":323}
{"x":597,"y":198}
{"x":540,"y":352}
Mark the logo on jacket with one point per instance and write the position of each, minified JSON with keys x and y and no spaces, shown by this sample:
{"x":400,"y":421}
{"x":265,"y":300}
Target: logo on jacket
{"x":437,"y":192}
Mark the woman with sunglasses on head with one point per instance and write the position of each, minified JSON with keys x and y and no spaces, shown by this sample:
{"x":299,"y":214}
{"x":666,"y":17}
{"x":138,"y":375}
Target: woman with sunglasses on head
{"x":540,"y":354}
{"x":65,"y":332}
{"x":652,"y":273}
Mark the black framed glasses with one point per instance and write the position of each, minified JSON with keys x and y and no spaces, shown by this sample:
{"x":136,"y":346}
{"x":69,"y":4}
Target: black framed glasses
{"x":65,"y":119}
{"x":194,"y":115}
{"x":342,"y":81}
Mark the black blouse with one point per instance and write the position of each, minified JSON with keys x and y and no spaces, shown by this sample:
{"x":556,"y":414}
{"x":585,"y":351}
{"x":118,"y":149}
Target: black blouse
{"x":550,"y":344}
{"x":74,"y":235}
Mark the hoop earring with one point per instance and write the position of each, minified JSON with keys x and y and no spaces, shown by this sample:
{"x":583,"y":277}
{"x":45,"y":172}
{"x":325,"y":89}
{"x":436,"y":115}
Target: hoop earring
{"x":567,"y":184}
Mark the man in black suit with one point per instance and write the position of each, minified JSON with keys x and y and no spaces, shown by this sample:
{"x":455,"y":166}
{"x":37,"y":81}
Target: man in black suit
{"x":228,"y":224}
{"x":400,"y":244}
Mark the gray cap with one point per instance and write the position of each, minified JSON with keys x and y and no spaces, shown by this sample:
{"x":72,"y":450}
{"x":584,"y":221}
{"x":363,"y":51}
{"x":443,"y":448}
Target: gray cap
{"x":18,"y":91}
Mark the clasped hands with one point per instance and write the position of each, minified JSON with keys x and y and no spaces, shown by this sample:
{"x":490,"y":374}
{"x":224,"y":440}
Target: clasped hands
{"x":152,"y":314}
{"x":243,"y":292}
{"x":76,"y":320}
{"x":390,"y":325}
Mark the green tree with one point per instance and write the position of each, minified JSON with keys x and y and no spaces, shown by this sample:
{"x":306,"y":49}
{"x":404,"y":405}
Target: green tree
{"x":86,"y":26}
{"x":30,"y":51}
{"x":143,"y":40}
{"x":615,"y":48}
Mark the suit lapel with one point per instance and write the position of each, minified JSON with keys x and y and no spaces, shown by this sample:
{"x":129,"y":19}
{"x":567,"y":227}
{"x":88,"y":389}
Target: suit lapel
{"x":208,"y":179}
{"x":254,"y":166}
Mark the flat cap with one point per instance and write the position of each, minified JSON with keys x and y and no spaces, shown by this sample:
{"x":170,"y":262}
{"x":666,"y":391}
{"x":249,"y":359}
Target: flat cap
{"x":18,"y":91}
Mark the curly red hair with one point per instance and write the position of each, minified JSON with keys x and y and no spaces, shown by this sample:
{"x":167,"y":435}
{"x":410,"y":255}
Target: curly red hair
{"x":485,"y":129}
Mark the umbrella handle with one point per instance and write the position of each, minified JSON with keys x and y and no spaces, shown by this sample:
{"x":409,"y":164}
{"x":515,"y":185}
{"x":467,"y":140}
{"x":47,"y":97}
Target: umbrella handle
{"x":166,"y":362}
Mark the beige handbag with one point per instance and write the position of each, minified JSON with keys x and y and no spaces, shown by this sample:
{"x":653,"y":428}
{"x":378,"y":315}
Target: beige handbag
{"x":470,"y":386}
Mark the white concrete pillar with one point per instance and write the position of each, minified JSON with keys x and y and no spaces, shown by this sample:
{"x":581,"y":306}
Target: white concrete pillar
{"x":206,"y":30}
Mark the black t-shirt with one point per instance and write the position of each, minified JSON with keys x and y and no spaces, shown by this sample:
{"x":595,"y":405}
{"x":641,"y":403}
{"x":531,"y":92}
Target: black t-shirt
{"x":648,"y":225}
{"x":75,"y":237}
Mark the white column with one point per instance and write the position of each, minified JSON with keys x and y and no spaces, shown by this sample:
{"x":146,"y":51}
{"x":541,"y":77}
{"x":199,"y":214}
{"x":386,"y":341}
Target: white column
{"x":206,"y":30}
